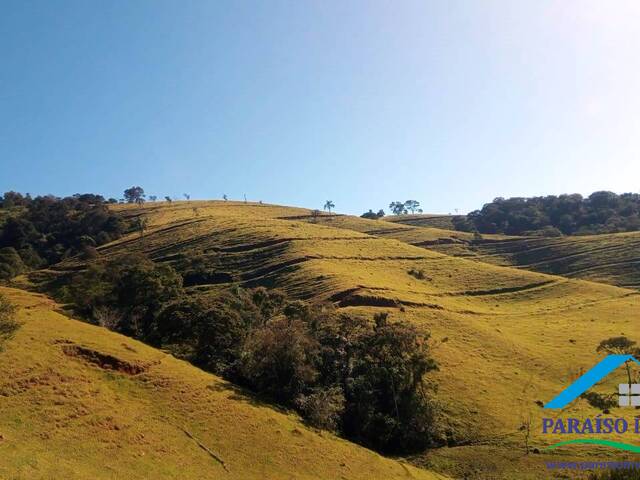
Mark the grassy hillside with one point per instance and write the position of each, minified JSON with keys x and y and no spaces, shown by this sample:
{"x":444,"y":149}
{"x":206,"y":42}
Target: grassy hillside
{"x":608,"y":258}
{"x":613,"y":259}
{"x":507,"y":339}
{"x":425,"y":220}
{"x":81,"y":402}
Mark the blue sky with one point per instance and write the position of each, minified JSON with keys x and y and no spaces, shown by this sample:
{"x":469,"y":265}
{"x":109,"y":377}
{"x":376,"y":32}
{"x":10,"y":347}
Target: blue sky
{"x":295,"y":102}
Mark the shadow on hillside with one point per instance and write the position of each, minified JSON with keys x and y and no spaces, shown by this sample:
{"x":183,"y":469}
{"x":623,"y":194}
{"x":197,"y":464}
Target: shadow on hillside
{"x":243,"y":394}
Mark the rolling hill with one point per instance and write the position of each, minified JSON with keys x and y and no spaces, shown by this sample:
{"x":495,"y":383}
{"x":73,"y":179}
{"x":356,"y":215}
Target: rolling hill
{"x":82,"y":402}
{"x":608,"y":258}
{"x":612,"y":258}
{"x":507,"y":340}
{"x":425,"y":220}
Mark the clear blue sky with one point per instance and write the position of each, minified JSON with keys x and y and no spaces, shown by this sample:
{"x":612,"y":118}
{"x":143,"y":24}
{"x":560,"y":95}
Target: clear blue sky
{"x":363,"y":102}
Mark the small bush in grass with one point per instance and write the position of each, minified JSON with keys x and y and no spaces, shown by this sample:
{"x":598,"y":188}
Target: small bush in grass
{"x":323,"y":407}
{"x":419,"y":274}
{"x":598,"y":400}
{"x":10,"y":263}
{"x":8,"y":322}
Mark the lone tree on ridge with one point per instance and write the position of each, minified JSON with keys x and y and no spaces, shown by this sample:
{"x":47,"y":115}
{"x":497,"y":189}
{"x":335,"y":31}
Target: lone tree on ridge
{"x":328,"y":205}
{"x":134,"y":195}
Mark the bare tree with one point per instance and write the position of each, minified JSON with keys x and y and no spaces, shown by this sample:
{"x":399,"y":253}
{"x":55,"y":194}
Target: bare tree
{"x":106,"y":317}
{"x":141,"y":224}
{"x":525,"y":417}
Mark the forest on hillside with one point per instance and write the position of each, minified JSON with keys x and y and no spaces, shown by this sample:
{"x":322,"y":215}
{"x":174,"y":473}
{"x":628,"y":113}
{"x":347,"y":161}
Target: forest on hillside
{"x":600,"y":212}
{"x":37,"y":232}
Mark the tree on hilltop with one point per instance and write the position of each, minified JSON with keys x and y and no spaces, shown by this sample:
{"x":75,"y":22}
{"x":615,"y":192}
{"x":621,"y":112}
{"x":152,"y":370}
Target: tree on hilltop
{"x":134,"y":195}
{"x":328,"y":205}
{"x":397,"y":208}
{"x":371,"y":215}
{"x":412,"y":206}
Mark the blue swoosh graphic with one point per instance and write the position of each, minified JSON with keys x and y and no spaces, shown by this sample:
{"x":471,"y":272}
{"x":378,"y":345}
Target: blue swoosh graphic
{"x":589,"y":379}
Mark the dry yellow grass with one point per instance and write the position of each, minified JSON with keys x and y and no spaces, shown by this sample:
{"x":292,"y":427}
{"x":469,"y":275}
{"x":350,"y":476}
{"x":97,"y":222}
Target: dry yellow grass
{"x":514,"y":338}
{"x":65,"y":416}
{"x":608,"y":258}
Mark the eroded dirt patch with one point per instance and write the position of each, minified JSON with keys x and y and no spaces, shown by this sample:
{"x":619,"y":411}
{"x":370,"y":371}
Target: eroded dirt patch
{"x":104,"y":360}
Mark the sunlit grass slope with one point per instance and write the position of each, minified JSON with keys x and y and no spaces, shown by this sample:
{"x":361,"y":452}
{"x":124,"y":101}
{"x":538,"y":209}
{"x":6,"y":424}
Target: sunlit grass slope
{"x":507,"y":340}
{"x":80,"y":402}
{"x":610,"y":258}
{"x":425,"y":220}
{"x":506,"y":328}
{"x":613,"y":259}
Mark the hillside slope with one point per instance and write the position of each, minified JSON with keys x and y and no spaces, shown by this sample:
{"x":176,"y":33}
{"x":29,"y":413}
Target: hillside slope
{"x":507,"y":340}
{"x":607,"y":258}
{"x":445,"y":222}
{"x":81,"y":402}
{"x":504,"y":327}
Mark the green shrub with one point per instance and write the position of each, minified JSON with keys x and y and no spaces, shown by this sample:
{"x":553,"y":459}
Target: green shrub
{"x":387,"y":405}
{"x":10,"y":263}
{"x":417,"y":273}
{"x":208,"y":331}
{"x":8,"y":323}
{"x":600,"y":401}
{"x":279,"y":359}
{"x":133,"y":286}
{"x":323,"y":408}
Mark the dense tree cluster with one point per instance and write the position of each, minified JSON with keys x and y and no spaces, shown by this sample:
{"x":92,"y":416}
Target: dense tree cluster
{"x":349,"y":374}
{"x":600,"y":212}
{"x":134,"y":195}
{"x":371,"y":215}
{"x":403,"y":208}
{"x":36,"y":232}
{"x":126,"y":294}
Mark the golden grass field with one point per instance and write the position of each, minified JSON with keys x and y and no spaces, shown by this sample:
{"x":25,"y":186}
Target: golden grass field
{"x":425,"y":220}
{"x":506,"y":340}
{"x":608,"y":258}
